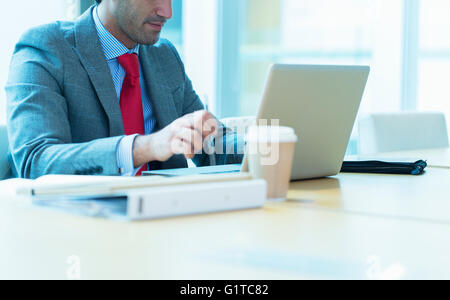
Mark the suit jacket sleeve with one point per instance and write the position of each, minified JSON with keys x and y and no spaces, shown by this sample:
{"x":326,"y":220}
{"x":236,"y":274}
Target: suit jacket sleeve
{"x":38,"y":120}
{"x":229,"y":145}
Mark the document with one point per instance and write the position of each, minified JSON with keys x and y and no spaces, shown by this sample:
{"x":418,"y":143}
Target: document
{"x":51,"y":185}
{"x":140,"y":198}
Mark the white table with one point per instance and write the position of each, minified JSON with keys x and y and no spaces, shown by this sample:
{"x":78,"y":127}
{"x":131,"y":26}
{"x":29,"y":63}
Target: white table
{"x":358,"y":226}
{"x":421,"y":198}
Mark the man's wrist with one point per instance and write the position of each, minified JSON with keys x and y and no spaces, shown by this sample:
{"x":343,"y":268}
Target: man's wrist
{"x":142,"y":153}
{"x":124,"y":154}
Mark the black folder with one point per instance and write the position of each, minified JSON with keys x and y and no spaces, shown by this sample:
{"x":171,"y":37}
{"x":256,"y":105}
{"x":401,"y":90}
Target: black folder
{"x":381,"y":167}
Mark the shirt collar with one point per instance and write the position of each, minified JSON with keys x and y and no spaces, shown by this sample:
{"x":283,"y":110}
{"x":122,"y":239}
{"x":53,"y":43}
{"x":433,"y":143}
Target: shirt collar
{"x":112,"y":47}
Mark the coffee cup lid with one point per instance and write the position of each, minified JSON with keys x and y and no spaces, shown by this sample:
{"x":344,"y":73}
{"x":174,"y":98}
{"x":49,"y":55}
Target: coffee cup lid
{"x":266,"y":134}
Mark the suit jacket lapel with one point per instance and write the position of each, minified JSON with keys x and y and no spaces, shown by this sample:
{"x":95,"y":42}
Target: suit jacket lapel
{"x":90,"y":52}
{"x":160,"y":93}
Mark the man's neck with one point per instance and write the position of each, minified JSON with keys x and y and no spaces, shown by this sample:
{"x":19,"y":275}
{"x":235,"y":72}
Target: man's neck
{"x":111,"y":24}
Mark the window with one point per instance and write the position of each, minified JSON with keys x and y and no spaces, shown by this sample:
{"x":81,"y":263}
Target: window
{"x":434,"y":57}
{"x":363,"y":32}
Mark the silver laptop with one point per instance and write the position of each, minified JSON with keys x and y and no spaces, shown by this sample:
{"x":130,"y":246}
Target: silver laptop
{"x":321,"y":103}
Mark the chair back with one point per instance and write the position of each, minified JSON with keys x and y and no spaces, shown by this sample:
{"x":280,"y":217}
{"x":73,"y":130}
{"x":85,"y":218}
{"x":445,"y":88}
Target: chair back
{"x":392,"y":132}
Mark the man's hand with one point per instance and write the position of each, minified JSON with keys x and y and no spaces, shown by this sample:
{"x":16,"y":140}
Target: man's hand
{"x":185,"y":135}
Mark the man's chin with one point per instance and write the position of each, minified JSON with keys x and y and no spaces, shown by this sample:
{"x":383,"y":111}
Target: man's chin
{"x":150,"y":40}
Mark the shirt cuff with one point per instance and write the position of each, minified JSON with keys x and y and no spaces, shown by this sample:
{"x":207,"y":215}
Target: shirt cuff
{"x":124,"y":156}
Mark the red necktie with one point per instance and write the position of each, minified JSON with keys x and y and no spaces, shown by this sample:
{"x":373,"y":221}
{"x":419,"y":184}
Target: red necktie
{"x":131,"y":99}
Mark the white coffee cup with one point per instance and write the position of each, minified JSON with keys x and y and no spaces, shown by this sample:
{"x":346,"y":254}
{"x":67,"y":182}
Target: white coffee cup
{"x":270,"y":156}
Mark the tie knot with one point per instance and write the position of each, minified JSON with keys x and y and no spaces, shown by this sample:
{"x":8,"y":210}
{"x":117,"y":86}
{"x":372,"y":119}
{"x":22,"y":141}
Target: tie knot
{"x":130,"y":63}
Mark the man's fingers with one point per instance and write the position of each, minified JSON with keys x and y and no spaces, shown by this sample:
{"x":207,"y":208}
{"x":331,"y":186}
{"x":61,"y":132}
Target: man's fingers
{"x":189,"y":133}
{"x":186,"y":121}
{"x":210,"y":127}
{"x":210,"y":124}
{"x":180,"y":146}
{"x":192,"y":137}
{"x":205,"y":123}
{"x":201,"y":122}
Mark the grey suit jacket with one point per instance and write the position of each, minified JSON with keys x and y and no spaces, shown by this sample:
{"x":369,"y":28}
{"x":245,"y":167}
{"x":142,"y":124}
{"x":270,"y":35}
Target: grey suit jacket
{"x":63,"y":113}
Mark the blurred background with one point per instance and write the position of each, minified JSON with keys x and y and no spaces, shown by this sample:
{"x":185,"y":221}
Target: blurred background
{"x":228,"y":46}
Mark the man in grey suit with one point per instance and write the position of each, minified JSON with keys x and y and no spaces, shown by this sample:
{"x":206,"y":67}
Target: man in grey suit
{"x":71,"y":98}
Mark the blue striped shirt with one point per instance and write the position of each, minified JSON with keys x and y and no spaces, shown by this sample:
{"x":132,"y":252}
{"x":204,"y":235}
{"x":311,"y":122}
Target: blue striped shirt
{"x":113,"y":48}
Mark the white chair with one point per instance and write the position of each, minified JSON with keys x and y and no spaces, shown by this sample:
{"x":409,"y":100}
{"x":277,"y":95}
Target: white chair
{"x":393,"y":132}
{"x":4,"y":164}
